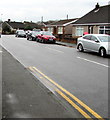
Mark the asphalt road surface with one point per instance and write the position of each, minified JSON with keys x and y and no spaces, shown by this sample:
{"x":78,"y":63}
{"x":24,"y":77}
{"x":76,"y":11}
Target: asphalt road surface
{"x":84,"y":75}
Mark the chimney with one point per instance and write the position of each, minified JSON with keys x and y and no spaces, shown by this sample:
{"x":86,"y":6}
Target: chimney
{"x":97,"y":6}
{"x":9,"y":20}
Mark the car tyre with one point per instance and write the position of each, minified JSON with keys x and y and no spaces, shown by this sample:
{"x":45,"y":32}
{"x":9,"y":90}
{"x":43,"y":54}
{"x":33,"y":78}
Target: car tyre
{"x":102,"y":52}
{"x":27,"y":38}
{"x":80,"y":48}
{"x":42,"y":41}
{"x":30,"y":39}
{"x":37,"y":39}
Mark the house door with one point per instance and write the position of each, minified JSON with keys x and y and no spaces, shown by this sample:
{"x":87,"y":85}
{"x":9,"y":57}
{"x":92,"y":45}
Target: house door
{"x":90,"y":29}
{"x":55,"y":31}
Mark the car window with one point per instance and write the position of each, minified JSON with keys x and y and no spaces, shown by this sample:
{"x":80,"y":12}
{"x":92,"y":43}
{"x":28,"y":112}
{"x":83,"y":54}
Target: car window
{"x":105,"y":38}
{"x":93,"y":38}
{"x":87,"y":37}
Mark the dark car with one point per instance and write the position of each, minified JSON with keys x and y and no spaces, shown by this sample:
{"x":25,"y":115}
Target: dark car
{"x":33,"y":35}
{"x":20,"y":33}
{"x":46,"y":37}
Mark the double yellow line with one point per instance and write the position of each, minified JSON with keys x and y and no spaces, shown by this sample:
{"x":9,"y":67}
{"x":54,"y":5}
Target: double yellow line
{"x":60,"y":88}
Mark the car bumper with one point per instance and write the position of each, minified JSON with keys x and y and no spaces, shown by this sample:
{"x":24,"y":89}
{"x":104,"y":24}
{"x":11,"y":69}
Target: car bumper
{"x":51,"y":40}
{"x":108,"y":52}
{"x":22,"y":35}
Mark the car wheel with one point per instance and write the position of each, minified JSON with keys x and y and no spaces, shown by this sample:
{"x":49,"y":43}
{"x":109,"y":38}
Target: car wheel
{"x":42,"y":41}
{"x":37,"y":39}
{"x":54,"y":41}
{"x":27,"y":38}
{"x":102,"y":52}
{"x":30,"y":38}
{"x":80,"y":48}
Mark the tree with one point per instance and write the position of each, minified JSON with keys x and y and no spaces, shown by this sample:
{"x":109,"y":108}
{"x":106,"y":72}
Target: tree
{"x":28,"y":27}
{"x":6,"y":29}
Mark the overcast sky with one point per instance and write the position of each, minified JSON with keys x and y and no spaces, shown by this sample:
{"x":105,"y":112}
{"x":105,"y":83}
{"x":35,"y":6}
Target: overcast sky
{"x":33,"y":10}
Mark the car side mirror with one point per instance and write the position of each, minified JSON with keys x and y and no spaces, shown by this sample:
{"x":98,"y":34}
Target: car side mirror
{"x":96,"y":41}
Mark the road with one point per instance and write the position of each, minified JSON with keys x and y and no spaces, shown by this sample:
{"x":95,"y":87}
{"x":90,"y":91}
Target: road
{"x":84,"y":75}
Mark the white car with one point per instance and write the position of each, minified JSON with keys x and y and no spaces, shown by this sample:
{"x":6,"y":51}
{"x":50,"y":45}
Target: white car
{"x":99,"y":43}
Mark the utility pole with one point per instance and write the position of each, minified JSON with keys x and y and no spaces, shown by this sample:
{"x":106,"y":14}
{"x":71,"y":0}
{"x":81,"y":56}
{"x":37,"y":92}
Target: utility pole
{"x":67,"y":16}
{"x":42,"y":19}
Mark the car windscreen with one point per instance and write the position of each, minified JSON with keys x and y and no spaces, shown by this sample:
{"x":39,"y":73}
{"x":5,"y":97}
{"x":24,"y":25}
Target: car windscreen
{"x":21,"y":32}
{"x":47,"y":33}
{"x":104,"y":38}
{"x":35,"y":33}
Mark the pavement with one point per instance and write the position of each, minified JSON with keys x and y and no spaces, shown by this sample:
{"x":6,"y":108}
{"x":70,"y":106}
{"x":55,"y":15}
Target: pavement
{"x":24,"y":96}
{"x":0,"y":83}
{"x":66,"y":44}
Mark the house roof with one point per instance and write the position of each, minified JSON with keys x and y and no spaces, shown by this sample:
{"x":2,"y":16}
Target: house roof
{"x":16,"y":25}
{"x":96,"y":16}
{"x":33,"y":25}
{"x":49,"y":22}
{"x":63,"y":22}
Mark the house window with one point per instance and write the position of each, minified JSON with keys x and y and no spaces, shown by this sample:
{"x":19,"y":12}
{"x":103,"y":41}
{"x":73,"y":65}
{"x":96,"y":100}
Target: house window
{"x":79,"y":31}
{"x":50,"y":29}
{"x":60,"y":30}
{"x":104,"y":30}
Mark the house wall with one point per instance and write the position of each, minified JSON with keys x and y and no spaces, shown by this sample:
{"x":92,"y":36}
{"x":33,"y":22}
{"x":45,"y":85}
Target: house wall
{"x":68,"y":29}
{"x":85,"y":29}
{"x":95,"y":29}
{"x":65,"y":30}
{"x":74,"y":30}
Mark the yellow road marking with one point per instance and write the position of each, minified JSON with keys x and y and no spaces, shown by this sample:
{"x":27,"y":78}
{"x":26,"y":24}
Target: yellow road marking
{"x":71,"y":95}
{"x":74,"y":105}
{"x":42,"y":78}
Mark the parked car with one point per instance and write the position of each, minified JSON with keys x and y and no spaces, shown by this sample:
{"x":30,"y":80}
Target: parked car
{"x":46,"y":37}
{"x":28,"y":32}
{"x":20,"y":33}
{"x":32,"y":36}
{"x":99,"y":43}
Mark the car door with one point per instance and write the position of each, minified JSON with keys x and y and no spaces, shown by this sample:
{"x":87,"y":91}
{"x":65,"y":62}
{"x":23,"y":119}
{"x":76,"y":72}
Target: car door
{"x":86,"y":42}
{"x":94,"y":44}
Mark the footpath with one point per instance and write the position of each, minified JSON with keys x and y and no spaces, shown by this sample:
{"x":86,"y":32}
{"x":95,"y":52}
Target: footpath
{"x":66,"y":44}
{"x":23,"y":96}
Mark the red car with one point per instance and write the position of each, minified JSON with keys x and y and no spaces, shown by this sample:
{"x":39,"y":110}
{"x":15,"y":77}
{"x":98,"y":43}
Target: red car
{"x":46,"y":37}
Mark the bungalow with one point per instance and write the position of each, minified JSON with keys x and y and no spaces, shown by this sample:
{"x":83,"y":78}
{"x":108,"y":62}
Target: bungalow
{"x":9,"y":26}
{"x":31,"y":25}
{"x":61,"y":28}
{"x":96,"y":21}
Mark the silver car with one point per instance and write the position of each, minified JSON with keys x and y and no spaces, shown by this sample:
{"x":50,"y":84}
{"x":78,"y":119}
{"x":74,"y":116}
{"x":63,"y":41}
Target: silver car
{"x":99,"y":43}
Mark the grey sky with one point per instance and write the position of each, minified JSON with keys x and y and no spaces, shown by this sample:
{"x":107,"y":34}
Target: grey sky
{"x":33,"y":10}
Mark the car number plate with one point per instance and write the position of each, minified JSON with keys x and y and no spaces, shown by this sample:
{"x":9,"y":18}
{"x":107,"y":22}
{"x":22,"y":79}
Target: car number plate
{"x":51,"y":39}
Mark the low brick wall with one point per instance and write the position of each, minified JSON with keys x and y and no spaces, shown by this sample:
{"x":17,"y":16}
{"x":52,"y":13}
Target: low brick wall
{"x":68,"y":40}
